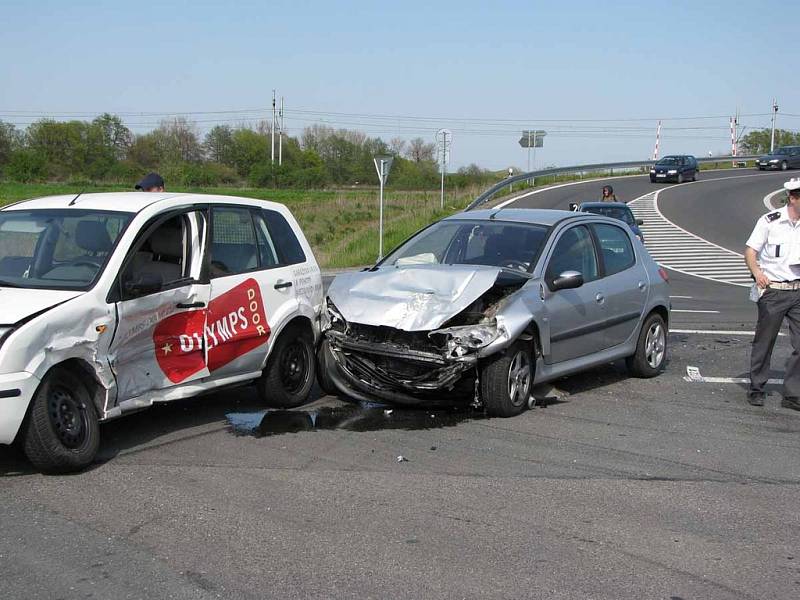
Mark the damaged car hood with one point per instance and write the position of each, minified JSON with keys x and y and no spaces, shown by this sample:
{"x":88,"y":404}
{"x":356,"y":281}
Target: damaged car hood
{"x":418,"y":298}
{"x":18,"y":303}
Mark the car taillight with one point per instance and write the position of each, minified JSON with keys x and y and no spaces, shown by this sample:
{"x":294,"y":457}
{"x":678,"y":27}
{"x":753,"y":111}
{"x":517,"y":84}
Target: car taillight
{"x":663,"y":272}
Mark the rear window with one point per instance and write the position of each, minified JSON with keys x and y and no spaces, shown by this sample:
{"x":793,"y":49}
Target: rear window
{"x":286,"y":244}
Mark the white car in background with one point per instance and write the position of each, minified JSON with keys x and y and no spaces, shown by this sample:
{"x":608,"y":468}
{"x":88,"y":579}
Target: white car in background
{"x":111,"y":302}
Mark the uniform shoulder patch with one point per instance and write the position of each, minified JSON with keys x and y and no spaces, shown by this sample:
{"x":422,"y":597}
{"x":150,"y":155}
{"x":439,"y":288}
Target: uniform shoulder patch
{"x":773,"y":215}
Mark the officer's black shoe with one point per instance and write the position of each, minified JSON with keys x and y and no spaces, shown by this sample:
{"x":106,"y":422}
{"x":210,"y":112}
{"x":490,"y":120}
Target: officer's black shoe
{"x":756,"y":398}
{"x":792,"y":402}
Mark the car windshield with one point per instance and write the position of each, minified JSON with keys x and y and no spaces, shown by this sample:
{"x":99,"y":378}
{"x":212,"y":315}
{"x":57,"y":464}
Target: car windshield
{"x":493,"y":243}
{"x":615,"y":212}
{"x":669,"y":160}
{"x":783,"y":150}
{"x":57,"y":249}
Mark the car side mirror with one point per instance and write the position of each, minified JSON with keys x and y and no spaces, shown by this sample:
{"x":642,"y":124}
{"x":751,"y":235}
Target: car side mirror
{"x":146,"y":283}
{"x":568,"y":280}
{"x":573,"y":207}
{"x":640,"y":221}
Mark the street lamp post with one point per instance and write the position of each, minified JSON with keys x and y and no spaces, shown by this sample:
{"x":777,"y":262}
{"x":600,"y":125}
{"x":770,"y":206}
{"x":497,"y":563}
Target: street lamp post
{"x":383,"y":163}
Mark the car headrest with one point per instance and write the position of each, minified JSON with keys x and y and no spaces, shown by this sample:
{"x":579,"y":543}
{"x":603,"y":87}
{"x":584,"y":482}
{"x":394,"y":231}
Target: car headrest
{"x":166,"y":241}
{"x":92,"y":236}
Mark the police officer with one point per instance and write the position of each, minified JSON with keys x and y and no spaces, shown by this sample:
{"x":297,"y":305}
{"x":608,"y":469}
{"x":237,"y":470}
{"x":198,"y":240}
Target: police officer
{"x":152,"y":182}
{"x":773,"y":257}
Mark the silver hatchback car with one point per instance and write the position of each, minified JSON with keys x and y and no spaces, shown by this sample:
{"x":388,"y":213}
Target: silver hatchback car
{"x":484,"y":304}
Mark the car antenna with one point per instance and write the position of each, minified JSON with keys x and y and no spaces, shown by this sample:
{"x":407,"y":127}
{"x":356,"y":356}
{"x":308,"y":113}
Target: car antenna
{"x":75,"y":198}
{"x":494,"y":214}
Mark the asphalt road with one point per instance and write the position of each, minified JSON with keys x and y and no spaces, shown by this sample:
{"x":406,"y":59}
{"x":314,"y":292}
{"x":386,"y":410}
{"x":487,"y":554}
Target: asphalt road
{"x":622,"y":488}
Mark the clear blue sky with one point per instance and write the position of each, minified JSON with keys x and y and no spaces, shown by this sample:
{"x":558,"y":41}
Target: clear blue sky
{"x":484,"y":69}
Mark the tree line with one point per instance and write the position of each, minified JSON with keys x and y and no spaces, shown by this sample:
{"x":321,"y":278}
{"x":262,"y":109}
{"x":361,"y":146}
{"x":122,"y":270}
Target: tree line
{"x":105,"y":150}
{"x":758,"y":141}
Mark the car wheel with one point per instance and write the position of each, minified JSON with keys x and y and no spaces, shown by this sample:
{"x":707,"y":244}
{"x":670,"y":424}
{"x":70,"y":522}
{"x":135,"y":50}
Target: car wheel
{"x":506,"y":380}
{"x":62,"y":433}
{"x":784,"y":165}
{"x":651,"y":348}
{"x":694,"y":176}
{"x":680,"y":178}
{"x":652,"y":180}
{"x":289,"y":376}
{"x":323,"y":377}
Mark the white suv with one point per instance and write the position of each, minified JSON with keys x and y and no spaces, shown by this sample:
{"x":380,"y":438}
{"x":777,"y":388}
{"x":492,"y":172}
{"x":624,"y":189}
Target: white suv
{"x":110,"y":302}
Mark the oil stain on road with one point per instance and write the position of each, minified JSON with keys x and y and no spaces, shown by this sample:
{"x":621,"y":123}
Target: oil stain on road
{"x":349,"y":418}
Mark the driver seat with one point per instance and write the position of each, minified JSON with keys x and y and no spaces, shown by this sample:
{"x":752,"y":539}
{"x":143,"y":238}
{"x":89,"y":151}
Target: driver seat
{"x":92,"y":236}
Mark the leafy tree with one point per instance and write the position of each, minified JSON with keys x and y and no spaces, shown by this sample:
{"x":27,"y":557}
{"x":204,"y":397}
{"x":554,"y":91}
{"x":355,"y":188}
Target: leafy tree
{"x":26,"y":165}
{"x":249,"y":148}
{"x":10,"y":140}
{"x":758,"y":141}
{"x":115,"y":137}
{"x":218,"y":144}
{"x":177,"y":141}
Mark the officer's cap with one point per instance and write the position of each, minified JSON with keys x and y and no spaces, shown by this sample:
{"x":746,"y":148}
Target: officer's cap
{"x":793,"y":185}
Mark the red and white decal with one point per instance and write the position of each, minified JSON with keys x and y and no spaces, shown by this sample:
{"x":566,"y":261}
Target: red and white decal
{"x":234,"y":324}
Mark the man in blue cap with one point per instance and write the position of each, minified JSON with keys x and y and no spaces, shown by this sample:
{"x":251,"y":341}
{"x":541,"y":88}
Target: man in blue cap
{"x":152,"y":182}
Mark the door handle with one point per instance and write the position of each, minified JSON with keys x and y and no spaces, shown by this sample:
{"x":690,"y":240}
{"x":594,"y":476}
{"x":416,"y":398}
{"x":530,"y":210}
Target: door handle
{"x":599,"y":298}
{"x":191,"y":305}
{"x":642,"y":285}
{"x":284,"y":284}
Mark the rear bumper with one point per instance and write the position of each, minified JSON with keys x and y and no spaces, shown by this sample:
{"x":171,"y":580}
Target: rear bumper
{"x":16,"y":392}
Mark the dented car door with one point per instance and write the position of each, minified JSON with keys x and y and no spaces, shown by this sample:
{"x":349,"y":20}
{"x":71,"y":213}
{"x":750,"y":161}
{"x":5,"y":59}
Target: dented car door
{"x":161,"y":299}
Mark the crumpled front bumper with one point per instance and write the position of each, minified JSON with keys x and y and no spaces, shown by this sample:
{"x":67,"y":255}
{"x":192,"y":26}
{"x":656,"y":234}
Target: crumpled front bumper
{"x":16,"y":392}
{"x":359,"y":370}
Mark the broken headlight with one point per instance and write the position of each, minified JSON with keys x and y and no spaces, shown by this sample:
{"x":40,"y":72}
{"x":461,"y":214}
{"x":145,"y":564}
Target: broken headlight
{"x":331,"y":317}
{"x":468,"y":338}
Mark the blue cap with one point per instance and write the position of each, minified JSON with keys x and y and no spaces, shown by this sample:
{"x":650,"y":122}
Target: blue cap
{"x":150,"y":180}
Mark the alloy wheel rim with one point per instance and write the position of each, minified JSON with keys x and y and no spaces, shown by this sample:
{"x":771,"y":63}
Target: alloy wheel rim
{"x":519,"y":378}
{"x":68,"y":417}
{"x":655,"y":345}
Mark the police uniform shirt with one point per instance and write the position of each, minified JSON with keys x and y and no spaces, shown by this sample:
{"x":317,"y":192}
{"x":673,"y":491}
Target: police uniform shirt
{"x":777,"y":241}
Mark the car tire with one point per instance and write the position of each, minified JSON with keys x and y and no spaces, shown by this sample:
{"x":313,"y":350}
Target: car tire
{"x":62,"y":432}
{"x":784,"y":165}
{"x":651,"y":348}
{"x":652,"y":180}
{"x":323,"y":364}
{"x":694,"y":176}
{"x":506,"y":380}
{"x":290,"y":372}
{"x":680,"y":178}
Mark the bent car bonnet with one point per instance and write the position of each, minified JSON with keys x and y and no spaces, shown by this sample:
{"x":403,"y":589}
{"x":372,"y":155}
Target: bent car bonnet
{"x":418,"y":298}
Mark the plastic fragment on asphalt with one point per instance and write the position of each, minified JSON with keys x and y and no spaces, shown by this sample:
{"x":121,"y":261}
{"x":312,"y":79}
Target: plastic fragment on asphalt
{"x":402,"y":458}
{"x":693,"y":374}
{"x":388,"y":411}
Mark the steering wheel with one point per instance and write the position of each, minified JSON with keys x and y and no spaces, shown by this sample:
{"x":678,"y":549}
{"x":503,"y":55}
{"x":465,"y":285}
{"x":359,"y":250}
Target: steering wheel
{"x":515,"y":264}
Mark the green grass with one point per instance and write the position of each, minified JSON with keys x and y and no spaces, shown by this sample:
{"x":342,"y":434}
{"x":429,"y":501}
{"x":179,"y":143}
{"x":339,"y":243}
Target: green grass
{"x":340,"y":225}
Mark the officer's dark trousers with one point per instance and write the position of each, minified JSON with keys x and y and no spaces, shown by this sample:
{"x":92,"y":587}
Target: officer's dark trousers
{"x":773,"y":307}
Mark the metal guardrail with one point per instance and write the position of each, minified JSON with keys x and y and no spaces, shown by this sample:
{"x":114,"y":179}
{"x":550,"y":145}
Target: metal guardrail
{"x":489,"y":194}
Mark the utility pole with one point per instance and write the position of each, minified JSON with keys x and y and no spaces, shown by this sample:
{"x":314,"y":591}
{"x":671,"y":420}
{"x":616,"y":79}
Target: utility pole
{"x":774,"y":114}
{"x":529,"y":151}
{"x":280,"y":135}
{"x":273,"y":128}
{"x":444,"y":138}
{"x":658,"y":137}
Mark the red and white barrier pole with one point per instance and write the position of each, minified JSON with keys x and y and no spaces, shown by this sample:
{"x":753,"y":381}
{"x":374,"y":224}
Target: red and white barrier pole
{"x":658,"y":136}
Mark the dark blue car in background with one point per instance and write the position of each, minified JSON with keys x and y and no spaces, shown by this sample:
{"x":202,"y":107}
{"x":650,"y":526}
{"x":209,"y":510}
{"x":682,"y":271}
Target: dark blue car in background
{"x":678,"y":168}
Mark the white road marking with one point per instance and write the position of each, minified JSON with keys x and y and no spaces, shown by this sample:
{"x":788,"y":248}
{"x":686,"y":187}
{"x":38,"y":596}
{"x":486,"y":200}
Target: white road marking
{"x":730,"y":380}
{"x":768,"y":199}
{"x":719,"y":331}
{"x":693,"y":375}
{"x":673,"y":247}
{"x":712,"y":312}
{"x":560,"y":185}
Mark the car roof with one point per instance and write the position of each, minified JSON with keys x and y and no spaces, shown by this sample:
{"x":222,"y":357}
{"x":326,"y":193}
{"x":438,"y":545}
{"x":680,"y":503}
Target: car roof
{"x":595,"y":204}
{"x":537,"y":216}
{"x":131,"y":202}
